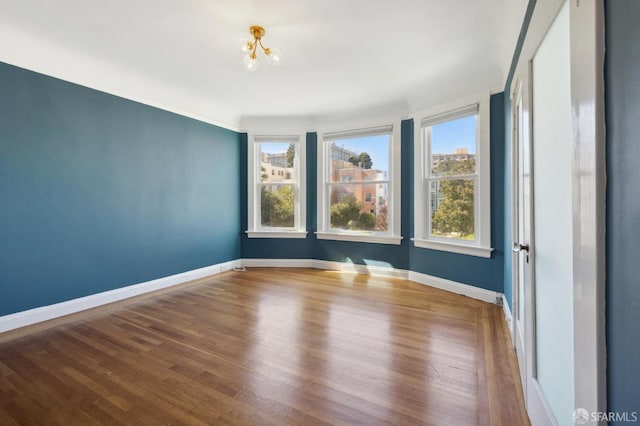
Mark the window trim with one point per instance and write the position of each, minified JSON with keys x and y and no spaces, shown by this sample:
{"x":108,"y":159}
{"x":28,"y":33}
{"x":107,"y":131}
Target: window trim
{"x":392,"y":236}
{"x":253,"y":188}
{"x":481,"y":247}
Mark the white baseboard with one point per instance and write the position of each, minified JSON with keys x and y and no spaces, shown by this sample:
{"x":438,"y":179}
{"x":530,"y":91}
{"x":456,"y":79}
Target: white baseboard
{"x":277,"y":263}
{"x":45,"y":313}
{"x":361,"y":269}
{"x":507,"y":315}
{"x":441,"y":283}
{"x":455,"y":287}
{"x":327,"y":265}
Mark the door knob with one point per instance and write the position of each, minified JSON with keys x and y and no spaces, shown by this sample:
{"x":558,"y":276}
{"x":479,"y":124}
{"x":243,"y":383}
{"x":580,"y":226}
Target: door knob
{"x":517,"y":247}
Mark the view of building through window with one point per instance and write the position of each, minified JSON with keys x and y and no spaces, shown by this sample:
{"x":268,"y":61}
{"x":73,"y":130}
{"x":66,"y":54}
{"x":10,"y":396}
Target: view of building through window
{"x":453,"y":178}
{"x":359,"y":183}
{"x":278,"y":180}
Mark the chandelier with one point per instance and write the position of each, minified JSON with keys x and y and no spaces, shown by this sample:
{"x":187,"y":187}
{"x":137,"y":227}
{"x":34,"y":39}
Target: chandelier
{"x":249,"y":47}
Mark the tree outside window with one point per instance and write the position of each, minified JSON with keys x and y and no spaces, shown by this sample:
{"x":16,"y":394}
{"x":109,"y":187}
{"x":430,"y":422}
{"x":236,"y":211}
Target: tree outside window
{"x":358,"y":178}
{"x":452,"y":178}
{"x":278,"y":188}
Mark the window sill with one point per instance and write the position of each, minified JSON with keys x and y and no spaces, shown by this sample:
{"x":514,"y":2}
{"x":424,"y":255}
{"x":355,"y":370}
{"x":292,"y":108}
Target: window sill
{"x":276,"y":234}
{"x":453,"y":247}
{"x":360,"y":238}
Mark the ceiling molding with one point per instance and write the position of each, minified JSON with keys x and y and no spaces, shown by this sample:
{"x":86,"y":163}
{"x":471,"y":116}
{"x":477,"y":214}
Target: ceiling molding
{"x":184,"y":57}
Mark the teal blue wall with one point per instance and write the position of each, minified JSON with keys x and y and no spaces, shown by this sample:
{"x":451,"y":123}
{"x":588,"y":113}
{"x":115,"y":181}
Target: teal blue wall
{"x":97,"y":192}
{"x":622,"y":109}
{"x":484,"y":273}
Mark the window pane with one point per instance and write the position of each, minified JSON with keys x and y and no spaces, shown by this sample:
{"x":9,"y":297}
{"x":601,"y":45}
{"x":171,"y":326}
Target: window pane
{"x":452,"y":208}
{"x":453,"y":147}
{"x":277,"y":162}
{"x":277,"y":206}
{"x":359,"y":159}
{"x":360,"y":207}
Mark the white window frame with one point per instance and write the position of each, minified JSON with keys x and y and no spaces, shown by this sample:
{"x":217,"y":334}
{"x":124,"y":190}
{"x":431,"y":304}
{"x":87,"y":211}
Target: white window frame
{"x":392,"y":236}
{"x":255,"y":230}
{"x":481,"y":247}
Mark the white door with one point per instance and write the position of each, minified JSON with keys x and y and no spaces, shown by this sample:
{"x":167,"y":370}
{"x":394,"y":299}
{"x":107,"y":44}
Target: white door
{"x":542,"y":226}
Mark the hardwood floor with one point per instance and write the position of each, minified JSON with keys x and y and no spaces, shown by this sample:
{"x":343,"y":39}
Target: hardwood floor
{"x":270,"y":346}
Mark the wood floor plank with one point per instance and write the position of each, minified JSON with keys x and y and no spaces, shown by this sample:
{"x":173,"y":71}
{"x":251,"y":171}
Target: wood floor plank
{"x":270,"y":346}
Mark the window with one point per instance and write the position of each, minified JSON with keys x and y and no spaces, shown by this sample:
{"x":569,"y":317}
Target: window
{"x":452,"y":180}
{"x":356,"y":168}
{"x":276,"y":202}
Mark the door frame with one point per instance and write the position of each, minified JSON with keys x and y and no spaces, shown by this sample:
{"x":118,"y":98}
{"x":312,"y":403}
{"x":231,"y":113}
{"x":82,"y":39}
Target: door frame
{"x":589,"y":201}
{"x":588,"y":194}
{"x":518,"y":128}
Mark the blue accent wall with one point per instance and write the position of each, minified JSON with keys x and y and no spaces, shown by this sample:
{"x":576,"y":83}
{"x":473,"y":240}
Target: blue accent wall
{"x":508,"y":238}
{"x":622,"y":109}
{"x":98,"y":192}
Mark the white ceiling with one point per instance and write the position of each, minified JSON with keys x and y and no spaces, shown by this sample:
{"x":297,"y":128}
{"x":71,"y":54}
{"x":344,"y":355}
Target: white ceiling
{"x":339,"y":57}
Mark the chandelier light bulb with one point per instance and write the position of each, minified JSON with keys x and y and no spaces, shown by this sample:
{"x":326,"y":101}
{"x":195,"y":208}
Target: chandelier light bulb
{"x":246,"y":45}
{"x":250,"y":62}
{"x":274,"y":55}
